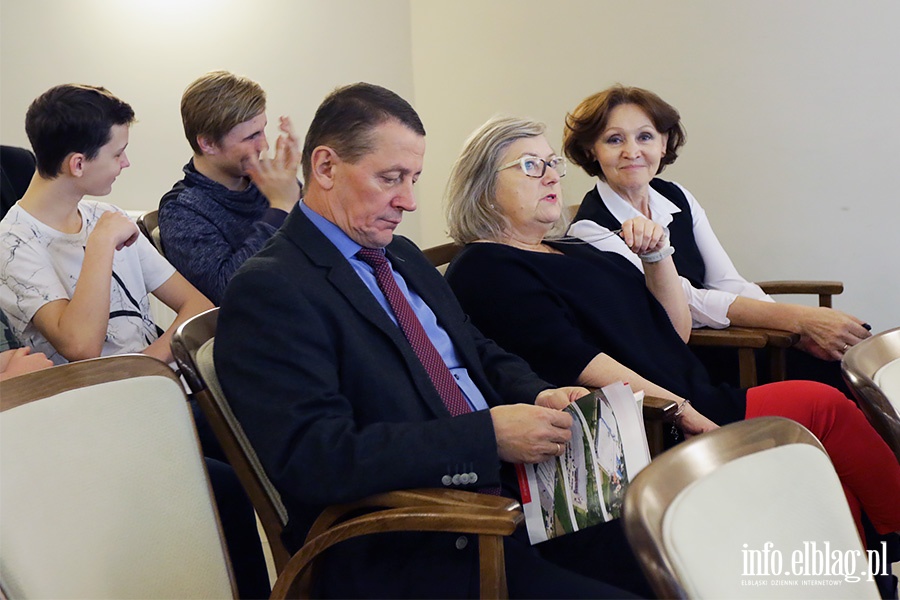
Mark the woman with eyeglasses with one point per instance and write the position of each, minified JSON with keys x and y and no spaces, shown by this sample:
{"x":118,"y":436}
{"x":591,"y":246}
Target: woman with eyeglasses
{"x":584,"y":316}
{"x":625,"y":136}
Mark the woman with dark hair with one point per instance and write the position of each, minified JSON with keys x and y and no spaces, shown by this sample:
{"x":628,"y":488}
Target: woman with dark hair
{"x":581,"y":316}
{"x":625,"y":136}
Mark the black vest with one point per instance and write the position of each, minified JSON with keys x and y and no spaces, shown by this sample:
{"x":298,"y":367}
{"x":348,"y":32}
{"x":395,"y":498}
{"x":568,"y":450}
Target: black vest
{"x":688,"y":259}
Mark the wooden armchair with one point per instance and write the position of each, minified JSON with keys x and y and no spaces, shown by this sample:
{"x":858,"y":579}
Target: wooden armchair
{"x":747,"y":339}
{"x":489,"y":517}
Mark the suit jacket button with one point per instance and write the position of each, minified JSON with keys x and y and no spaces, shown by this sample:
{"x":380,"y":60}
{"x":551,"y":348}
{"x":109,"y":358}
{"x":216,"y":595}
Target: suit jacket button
{"x":461,"y":542}
{"x":473,"y":477}
{"x":446,"y":480}
{"x":464,"y":479}
{"x":455,"y":479}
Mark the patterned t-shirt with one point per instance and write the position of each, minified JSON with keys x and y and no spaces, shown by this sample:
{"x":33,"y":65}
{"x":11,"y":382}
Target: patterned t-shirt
{"x":39,"y":264}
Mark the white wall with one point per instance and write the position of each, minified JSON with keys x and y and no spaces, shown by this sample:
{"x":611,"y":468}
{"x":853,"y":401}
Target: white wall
{"x":791,"y":110}
{"x":790,"y":107}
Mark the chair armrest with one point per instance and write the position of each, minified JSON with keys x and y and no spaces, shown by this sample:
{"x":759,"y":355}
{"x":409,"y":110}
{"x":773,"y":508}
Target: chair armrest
{"x":658,"y":409}
{"x":411,"y":498}
{"x":730,"y":337}
{"x":475,"y":520}
{"x":824,"y":289}
{"x":801,"y":287}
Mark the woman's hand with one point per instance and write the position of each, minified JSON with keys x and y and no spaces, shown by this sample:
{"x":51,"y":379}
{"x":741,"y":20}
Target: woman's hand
{"x":559,"y":398}
{"x":693,"y":423}
{"x":827,"y":333}
{"x":642,"y":235}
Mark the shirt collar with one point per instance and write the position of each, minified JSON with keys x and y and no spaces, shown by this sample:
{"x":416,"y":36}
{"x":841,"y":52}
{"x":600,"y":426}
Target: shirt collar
{"x":661,"y":208}
{"x":346,"y":246}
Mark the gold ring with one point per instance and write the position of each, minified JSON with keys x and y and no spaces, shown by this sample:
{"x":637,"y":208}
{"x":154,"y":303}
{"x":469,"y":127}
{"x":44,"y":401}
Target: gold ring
{"x":558,"y":448}
{"x":844,"y":349}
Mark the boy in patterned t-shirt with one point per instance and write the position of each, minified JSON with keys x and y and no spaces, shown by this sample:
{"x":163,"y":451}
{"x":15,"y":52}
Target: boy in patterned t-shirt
{"x":52,"y":240}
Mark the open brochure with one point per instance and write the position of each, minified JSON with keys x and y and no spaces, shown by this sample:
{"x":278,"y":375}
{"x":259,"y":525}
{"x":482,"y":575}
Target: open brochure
{"x":586,"y":485}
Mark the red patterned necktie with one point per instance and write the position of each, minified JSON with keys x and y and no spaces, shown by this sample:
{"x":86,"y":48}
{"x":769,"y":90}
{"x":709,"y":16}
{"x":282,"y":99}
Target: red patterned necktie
{"x":412,"y":328}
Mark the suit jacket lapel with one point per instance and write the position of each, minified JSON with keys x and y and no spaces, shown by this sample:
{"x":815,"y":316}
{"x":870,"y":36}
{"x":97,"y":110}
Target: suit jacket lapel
{"x":321,"y":252}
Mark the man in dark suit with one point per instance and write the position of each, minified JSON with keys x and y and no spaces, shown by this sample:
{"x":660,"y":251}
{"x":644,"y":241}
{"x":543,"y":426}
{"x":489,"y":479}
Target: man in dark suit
{"x":341,"y":401}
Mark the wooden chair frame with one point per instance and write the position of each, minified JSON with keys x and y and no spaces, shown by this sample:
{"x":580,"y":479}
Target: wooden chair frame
{"x":489,"y":517}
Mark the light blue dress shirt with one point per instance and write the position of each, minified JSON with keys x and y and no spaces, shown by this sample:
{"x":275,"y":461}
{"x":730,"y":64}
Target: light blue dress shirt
{"x":438,"y":336}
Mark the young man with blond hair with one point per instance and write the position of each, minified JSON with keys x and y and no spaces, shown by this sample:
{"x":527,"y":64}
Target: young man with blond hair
{"x":233,"y":197}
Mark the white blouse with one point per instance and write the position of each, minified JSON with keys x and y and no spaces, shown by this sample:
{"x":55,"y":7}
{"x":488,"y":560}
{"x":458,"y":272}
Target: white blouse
{"x":709,"y":307}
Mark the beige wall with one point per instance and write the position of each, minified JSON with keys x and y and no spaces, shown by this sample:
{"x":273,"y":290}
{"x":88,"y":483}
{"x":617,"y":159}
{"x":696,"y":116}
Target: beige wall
{"x":790,"y":106}
{"x":148,"y":51}
{"x":791,"y":109}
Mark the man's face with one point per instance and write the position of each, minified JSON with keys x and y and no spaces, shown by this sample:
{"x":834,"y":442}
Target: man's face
{"x":100,"y":172}
{"x":245,"y":140}
{"x":371,"y":195}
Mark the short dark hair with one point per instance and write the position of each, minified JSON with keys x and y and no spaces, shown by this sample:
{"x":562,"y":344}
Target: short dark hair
{"x":346,"y":118}
{"x":72,"y":118}
{"x":585,"y":124}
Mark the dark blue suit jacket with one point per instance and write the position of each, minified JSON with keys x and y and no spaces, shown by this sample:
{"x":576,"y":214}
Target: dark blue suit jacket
{"x":338,"y":406}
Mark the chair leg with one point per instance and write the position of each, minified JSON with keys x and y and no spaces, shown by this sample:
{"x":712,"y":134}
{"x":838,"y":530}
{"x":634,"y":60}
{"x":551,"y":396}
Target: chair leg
{"x":777,"y":364}
{"x":655,"y":433}
{"x":493,"y":566}
{"x":747,"y":362}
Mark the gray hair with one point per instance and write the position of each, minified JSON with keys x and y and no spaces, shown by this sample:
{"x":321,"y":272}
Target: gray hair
{"x":469,"y":197}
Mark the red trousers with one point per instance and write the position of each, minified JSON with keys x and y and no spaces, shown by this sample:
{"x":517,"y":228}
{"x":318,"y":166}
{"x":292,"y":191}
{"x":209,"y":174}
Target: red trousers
{"x":867,"y":468}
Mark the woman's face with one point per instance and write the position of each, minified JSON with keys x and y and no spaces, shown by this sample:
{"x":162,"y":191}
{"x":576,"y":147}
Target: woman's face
{"x":531,"y":205}
{"x":629,"y":149}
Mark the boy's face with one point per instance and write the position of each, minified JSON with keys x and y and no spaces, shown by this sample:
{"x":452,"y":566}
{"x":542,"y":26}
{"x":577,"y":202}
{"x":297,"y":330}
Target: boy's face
{"x":232,"y":155}
{"x":100,"y":173}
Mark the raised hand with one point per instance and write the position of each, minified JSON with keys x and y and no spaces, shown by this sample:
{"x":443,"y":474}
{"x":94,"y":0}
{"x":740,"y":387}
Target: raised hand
{"x":116,"y":229}
{"x":276,"y":178}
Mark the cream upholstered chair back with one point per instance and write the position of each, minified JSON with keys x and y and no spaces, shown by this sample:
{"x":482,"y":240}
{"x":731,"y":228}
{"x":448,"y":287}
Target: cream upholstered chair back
{"x":104,"y":491}
{"x":193,"y":346}
{"x":741,"y":512}
{"x":872,"y":371}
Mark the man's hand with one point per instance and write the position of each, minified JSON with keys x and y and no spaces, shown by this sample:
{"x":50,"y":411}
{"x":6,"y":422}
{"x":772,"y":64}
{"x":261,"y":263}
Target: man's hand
{"x":530,"y":434}
{"x":276,"y":178}
{"x":114,"y":229}
{"x":560,"y":398}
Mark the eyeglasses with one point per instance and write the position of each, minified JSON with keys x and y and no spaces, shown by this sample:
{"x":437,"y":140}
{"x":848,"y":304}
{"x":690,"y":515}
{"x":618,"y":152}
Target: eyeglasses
{"x":533,"y":166}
